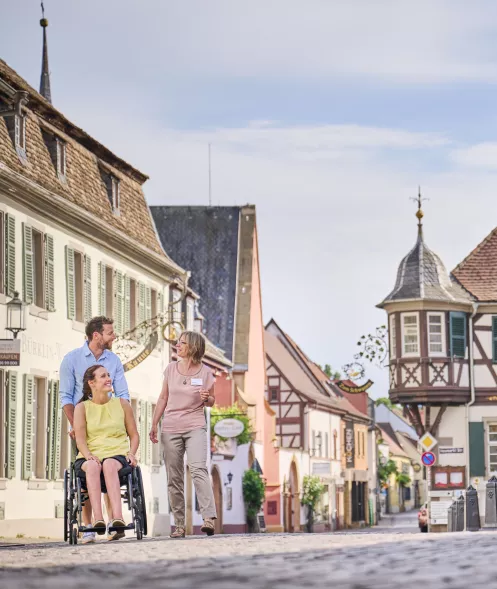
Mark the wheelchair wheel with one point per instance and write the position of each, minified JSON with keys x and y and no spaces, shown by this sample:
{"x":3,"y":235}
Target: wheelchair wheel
{"x":67,"y":505}
{"x":74,"y":534}
{"x":142,"y":508}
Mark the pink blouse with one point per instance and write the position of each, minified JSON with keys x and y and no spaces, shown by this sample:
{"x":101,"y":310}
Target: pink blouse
{"x":185,"y":409}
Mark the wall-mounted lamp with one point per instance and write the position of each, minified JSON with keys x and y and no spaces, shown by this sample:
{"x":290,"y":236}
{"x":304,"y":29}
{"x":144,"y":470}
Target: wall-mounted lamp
{"x":16,"y":315}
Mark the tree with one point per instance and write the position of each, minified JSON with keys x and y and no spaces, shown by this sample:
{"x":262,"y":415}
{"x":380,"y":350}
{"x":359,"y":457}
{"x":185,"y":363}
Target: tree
{"x":330,"y":372}
{"x":254,"y":491}
{"x":385,"y":471}
{"x":313,"y":490}
{"x":384,"y":401}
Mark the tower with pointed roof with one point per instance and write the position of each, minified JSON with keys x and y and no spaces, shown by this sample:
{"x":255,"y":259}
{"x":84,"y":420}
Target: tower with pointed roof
{"x":443,"y":357}
{"x":45,"y":90}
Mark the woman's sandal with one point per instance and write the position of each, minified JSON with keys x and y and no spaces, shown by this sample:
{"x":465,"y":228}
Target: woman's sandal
{"x":100,"y":527}
{"x":118,"y":523}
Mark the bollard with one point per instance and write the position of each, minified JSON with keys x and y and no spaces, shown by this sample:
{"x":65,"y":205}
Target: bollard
{"x":454,"y":516}
{"x":472,"y":510}
{"x":491,"y":503}
{"x":460,"y":515}
{"x":449,"y":518}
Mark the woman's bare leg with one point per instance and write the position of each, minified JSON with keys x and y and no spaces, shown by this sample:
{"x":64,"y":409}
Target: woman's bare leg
{"x":93,"y":470}
{"x":111,"y":467}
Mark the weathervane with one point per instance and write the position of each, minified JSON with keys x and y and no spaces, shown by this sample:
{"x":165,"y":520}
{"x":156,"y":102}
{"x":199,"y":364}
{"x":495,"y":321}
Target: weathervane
{"x":419,"y":213}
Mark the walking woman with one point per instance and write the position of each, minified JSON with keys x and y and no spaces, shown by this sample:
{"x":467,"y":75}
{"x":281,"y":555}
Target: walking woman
{"x":107,"y":440}
{"x":186,"y":390}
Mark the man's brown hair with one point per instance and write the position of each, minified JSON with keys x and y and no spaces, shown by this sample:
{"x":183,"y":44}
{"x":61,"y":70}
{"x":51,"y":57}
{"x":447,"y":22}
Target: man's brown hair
{"x":96,"y":324}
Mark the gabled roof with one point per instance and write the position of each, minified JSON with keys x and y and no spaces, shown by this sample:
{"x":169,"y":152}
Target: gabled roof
{"x":86,"y":158}
{"x":477,"y":273}
{"x":314,"y":383}
{"x":390,"y":438}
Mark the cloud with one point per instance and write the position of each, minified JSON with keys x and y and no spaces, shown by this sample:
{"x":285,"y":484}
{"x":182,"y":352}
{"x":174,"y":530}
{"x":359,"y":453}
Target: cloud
{"x":481,"y":155}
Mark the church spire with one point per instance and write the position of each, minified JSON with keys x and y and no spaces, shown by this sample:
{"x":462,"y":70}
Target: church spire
{"x":45,"y":74}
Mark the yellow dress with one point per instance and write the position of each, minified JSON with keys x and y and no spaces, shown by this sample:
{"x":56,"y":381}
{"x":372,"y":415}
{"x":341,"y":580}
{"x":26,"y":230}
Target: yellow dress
{"x":106,"y":434}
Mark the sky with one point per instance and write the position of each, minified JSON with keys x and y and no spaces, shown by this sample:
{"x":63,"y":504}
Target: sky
{"x":325,"y":114}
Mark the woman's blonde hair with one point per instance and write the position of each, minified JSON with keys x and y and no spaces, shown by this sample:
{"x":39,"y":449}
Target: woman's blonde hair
{"x":196,"y":345}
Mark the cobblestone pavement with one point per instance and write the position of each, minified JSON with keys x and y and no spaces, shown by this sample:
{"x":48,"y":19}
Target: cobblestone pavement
{"x":342,"y":561}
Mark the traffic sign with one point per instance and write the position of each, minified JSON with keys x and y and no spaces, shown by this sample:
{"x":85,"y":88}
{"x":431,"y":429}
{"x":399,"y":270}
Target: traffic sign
{"x":428,"y":458}
{"x":428,"y":442}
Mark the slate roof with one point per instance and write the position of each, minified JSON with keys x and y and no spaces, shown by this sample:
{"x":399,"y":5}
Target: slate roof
{"x":205,"y":240}
{"x":390,"y":438}
{"x":84,"y":185}
{"x":422,"y":276}
{"x":477,"y":273}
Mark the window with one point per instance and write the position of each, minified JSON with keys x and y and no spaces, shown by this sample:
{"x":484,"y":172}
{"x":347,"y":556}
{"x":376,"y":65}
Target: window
{"x":8,"y":417}
{"x":335,"y":444}
{"x":494,"y":339}
{"x":16,"y":126}
{"x":38,"y":268}
{"x":133,"y":304}
{"x":326,"y":445}
{"x":78,"y":277}
{"x":7,"y":254}
{"x":393,"y":337}
{"x":115,"y":193}
{"x":458,"y":334}
{"x":153,"y":303}
{"x":410,"y":334}
{"x":436,"y":334}
{"x":273,"y":394}
{"x":492,"y":448}
{"x":60,"y":157}
{"x":105,"y":290}
{"x":190,"y":306}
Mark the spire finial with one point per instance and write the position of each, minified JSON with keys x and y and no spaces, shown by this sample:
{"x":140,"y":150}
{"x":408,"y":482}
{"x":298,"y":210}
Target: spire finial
{"x":45,"y":73}
{"x":419,"y":213}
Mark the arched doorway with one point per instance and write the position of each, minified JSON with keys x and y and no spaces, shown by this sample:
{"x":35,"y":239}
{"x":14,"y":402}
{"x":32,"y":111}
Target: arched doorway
{"x":251,"y":456}
{"x":217,"y":488}
{"x":293,"y":501}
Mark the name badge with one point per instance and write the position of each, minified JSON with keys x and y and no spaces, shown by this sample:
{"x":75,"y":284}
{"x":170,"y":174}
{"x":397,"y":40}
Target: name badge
{"x":197,"y":382}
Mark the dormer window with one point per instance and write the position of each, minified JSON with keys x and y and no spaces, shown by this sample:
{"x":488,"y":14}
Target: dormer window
{"x":16,"y":124}
{"x":115,"y":196}
{"x":61,"y":157}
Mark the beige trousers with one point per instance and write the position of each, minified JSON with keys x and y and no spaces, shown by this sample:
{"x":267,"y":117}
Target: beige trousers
{"x":194,"y":443}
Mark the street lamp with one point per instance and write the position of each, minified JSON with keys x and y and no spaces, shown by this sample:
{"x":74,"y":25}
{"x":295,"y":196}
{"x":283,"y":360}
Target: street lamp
{"x":16,"y":316}
{"x":229,"y":476}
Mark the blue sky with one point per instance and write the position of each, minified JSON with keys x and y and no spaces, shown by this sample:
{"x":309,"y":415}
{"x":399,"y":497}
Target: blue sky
{"x":325,"y":114}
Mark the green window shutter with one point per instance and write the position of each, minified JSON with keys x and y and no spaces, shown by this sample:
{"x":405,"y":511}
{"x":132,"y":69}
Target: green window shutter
{"x":49,"y":273}
{"x":102,"y":285}
{"x":71,"y":283}
{"x":10,"y":255}
{"x":494,"y":338}
{"x":148,"y":303}
{"x":476,"y":449}
{"x":127,"y":304}
{"x":458,"y":334}
{"x":141,"y":302}
{"x":50,"y":431}
{"x":119,"y":298}
{"x":56,"y":429}
{"x":147,"y":429}
{"x":12,"y":380}
{"x":28,"y":269}
{"x":87,"y":289}
{"x":28,"y":432}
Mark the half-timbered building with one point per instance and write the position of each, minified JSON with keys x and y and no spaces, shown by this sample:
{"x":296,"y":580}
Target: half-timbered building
{"x":443,"y":358}
{"x":311,"y":423}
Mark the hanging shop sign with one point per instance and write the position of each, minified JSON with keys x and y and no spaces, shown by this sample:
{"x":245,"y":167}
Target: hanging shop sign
{"x":349,"y":444}
{"x":144,"y":354}
{"x":10,"y":352}
{"x":354,"y":390}
{"x":229,"y":428}
{"x":171,"y":331}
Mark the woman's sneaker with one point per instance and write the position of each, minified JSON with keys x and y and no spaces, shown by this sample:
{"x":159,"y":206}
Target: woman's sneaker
{"x":179,"y":532}
{"x":114,"y":535}
{"x":89,"y":538}
{"x":208,"y":527}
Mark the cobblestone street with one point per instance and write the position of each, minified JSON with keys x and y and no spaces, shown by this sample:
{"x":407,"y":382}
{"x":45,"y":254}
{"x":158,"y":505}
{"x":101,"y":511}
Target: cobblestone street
{"x":384,"y":560}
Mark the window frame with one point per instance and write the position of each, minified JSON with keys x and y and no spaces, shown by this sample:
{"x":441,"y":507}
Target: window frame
{"x":403,"y":334}
{"x":190,"y":314}
{"x":490,"y":444}
{"x":61,"y":157}
{"x":115,"y":193}
{"x":392,"y":337}
{"x":440,"y":314}
{"x":4,"y":439}
{"x":3,"y":258}
{"x":20,"y":132}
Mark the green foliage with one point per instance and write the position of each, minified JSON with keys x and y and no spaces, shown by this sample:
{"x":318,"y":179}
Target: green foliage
{"x":313,"y":489}
{"x":384,"y":401}
{"x":233,"y":412}
{"x":254,"y":491}
{"x":386,"y":470}
{"x":403,"y":479}
{"x":330,"y":372}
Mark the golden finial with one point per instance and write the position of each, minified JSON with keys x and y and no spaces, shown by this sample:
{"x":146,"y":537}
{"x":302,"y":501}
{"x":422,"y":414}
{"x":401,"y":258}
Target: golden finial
{"x":43,"y":21}
{"x":419,"y":212}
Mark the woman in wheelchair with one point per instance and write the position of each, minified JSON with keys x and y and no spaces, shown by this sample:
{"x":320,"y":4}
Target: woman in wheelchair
{"x":107,"y":440}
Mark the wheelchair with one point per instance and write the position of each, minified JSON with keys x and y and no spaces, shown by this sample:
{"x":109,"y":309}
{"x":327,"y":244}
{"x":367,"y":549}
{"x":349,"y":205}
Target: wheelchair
{"x":75,"y":496}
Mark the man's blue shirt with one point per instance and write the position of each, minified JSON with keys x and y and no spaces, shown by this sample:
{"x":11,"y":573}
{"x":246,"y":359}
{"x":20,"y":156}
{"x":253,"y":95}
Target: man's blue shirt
{"x":74,"y":366}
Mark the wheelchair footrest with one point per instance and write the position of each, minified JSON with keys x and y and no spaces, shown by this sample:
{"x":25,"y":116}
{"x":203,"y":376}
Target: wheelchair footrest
{"x":121,"y":528}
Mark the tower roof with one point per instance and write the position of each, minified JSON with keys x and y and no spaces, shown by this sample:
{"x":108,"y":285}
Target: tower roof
{"x":45,"y":73}
{"x":423,"y":276}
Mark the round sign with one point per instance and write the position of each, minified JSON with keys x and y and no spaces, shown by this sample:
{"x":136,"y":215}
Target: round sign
{"x":229,"y":428}
{"x":416,"y":467}
{"x":428,"y":458}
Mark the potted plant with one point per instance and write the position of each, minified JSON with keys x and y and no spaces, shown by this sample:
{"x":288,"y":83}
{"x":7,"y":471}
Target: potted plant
{"x":254,"y":491}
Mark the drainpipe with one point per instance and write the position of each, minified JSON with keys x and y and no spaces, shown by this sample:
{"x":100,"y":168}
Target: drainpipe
{"x":472,"y":385}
